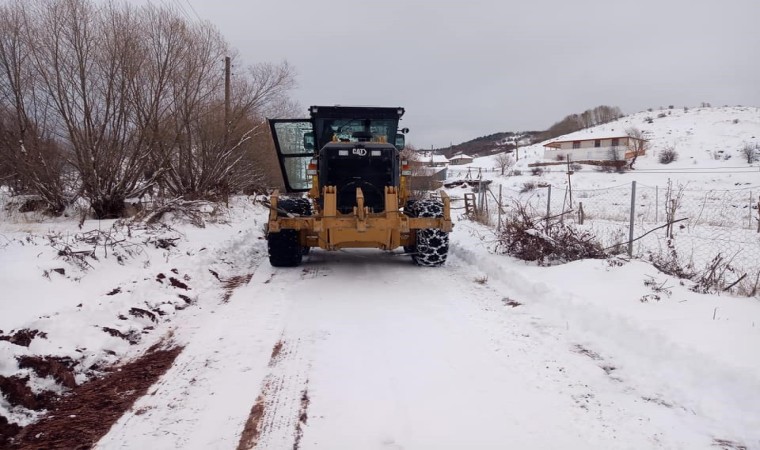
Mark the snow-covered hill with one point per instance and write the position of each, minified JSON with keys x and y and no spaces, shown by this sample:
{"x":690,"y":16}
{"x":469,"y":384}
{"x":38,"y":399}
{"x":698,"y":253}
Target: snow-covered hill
{"x":705,"y":138}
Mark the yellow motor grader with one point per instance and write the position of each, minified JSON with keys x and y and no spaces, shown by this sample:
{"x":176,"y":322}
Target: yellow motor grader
{"x":348,"y":160}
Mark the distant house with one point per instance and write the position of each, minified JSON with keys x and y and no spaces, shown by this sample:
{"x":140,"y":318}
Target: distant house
{"x":460,"y":160}
{"x":429,"y":159}
{"x":438,"y":161}
{"x":594,"y":149}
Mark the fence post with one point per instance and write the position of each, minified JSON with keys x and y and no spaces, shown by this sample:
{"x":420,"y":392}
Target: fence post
{"x":580,"y":212}
{"x":750,"y":210}
{"x":633,"y":215}
{"x":656,"y":203}
{"x":548,"y":205}
{"x":498,"y":226}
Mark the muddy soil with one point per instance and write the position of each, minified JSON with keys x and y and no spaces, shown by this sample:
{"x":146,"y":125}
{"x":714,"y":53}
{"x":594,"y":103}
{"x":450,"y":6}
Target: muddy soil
{"x":79,"y":419}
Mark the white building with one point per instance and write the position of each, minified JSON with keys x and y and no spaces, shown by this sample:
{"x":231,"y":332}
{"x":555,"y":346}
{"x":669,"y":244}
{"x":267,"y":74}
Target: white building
{"x":595,"y":149}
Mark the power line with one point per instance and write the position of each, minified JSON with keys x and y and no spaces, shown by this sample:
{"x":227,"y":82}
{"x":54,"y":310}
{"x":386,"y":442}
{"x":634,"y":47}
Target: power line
{"x":193,"y":10}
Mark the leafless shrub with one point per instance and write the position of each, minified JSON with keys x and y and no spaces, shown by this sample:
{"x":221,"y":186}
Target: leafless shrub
{"x":714,"y":277}
{"x":528,"y":186}
{"x":751,"y":152}
{"x":504,"y":161}
{"x":670,"y":262}
{"x":548,"y":242}
{"x":668,"y":155}
{"x":536,"y":171}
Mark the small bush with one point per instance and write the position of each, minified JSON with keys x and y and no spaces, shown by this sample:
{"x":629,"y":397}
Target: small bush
{"x":531,"y":239}
{"x":649,"y":119}
{"x":670,"y":107}
{"x":560,"y":157}
{"x":668,"y":155}
{"x":736,"y":121}
{"x":528,"y":186}
{"x":517,"y":172}
{"x":661,"y":115}
{"x":536,"y":171}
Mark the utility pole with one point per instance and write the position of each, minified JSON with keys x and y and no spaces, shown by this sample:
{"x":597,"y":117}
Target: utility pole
{"x":569,"y":182}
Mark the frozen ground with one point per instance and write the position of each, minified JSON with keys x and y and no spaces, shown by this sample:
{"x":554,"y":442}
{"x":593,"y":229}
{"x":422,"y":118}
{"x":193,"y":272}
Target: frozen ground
{"x":361,"y":349}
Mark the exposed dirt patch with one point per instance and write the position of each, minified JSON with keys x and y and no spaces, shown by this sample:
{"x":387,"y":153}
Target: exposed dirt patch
{"x":7,"y":431}
{"x":131,"y":337}
{"x":275,"y":353}
{"x":23,"y":337}
{"x":178,"y":284}
{"x":139,"y":312}
{"x":18,"y":393}
{"x":252,"y":429}
{"x":303,"y":417}
{"x":61,"y":369}
{"x":509,"y":302}
{"x":80,"y":419}
{"x":728,"y":445}
{"x":590,"y":353}
{"x":657,"y":401}
{"x":115,"y":291}
{"x":233,"y":283}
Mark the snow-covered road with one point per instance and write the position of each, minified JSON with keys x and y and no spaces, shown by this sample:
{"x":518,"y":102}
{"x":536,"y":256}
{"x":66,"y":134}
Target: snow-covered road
{"x":360,"y":349}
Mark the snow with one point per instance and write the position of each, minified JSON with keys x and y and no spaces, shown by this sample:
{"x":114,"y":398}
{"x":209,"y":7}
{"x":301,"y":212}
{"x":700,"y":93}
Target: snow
{"x":484,"y":352}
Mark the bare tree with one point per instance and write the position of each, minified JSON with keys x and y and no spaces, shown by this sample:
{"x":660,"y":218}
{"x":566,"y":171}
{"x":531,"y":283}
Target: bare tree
{"x":504,"y":161}
{"x":750,"y":152}
{"x":88,"y":59}
{"x":30,"y":158}
{"x":128,"y":98}
{"x":637,"y":144}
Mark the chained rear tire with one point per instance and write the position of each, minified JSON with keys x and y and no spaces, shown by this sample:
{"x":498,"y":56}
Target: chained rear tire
{"x":432,"y":247}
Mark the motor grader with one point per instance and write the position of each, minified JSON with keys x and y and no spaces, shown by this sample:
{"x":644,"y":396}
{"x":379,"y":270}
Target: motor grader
{"x":348,"y":187}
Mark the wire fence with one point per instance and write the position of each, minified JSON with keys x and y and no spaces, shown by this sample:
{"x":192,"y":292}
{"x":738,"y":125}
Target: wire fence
{"x":691,"y":227}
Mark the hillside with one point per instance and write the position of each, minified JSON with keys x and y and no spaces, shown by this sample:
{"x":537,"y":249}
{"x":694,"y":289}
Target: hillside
{"x":491,"y":144}
{"x":702,"y":137}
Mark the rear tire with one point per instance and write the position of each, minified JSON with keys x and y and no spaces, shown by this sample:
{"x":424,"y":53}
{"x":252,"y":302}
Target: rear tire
{"x":432,"y":246}
{"x":284,"y":248}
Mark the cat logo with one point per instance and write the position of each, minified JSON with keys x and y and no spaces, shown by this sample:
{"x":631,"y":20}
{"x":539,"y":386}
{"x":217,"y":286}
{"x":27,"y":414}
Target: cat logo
{"x":360,"y":151}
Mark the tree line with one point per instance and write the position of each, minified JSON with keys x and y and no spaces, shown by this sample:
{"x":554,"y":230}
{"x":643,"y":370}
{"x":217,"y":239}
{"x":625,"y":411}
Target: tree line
{"x":107,"y":101}
{"x":587,"y":119}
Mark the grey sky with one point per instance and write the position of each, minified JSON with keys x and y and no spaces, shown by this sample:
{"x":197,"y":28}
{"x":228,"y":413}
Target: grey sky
{"x":464,"y":69}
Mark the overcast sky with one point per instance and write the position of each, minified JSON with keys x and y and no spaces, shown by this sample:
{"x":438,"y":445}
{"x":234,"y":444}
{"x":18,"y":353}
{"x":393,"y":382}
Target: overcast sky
{"x":464,"y":69}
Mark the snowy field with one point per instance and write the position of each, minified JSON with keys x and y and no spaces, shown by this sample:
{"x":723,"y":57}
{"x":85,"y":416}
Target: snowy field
{"x":361,"y":349}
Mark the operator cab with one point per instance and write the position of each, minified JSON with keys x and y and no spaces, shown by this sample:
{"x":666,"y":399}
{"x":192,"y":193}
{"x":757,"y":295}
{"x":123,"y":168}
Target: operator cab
{"x":354,"y":147}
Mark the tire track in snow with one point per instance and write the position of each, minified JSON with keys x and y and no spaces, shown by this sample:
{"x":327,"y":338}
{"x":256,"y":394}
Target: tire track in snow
{"x":280,"y":411}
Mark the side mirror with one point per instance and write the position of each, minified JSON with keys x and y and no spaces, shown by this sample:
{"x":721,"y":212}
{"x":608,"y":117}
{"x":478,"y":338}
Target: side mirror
{"x":308,"y":141}
{"x":400,"y":142}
